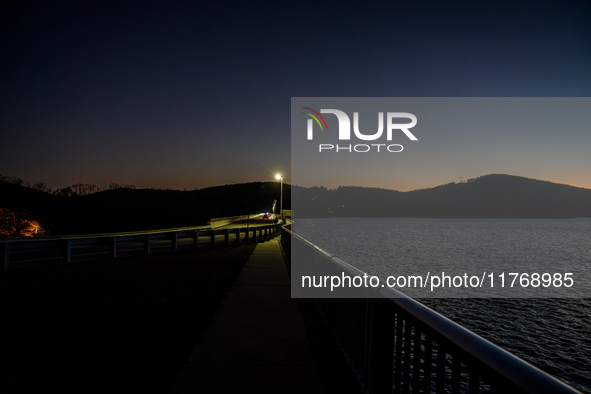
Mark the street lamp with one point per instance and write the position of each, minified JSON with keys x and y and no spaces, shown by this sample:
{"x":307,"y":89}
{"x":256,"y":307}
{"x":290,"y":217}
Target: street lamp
{"x":281,"y":199}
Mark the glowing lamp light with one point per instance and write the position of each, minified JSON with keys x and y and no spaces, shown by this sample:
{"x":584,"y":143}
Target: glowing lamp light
{"x":277,"y":176}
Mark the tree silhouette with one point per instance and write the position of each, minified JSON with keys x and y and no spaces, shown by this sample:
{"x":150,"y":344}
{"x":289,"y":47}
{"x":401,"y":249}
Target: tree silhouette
{"x":79,"y":189}
{"x":115,"y":185}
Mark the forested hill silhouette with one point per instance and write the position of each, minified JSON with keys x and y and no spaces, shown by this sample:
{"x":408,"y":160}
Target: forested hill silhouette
{"x":489,"y":196}
{"x":126,"y":209}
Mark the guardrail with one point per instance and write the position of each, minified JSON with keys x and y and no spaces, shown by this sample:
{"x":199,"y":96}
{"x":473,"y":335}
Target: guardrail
{"x":396,"y":344}
{"x":220,"y":222}
{"x":112,"y":245}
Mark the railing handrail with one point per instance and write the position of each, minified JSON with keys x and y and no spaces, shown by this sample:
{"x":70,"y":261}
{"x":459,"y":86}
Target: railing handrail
{"x":518,"y":372}
{"x":64,"y":245}
{"x":102,"y":235}
{"x":239,"y":217}
{"x":121,"y":234}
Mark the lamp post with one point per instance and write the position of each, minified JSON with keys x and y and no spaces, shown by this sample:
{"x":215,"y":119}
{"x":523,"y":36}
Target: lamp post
{"x":281,"y":199}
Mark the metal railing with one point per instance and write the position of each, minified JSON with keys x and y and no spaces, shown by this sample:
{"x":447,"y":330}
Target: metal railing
{"x":220,"y":222}
{"x":396,"y":344}
{"x":112,"y":245}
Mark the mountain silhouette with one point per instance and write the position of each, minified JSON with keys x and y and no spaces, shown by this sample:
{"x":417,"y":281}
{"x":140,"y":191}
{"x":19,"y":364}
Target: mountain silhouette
{"x":489,"y":196}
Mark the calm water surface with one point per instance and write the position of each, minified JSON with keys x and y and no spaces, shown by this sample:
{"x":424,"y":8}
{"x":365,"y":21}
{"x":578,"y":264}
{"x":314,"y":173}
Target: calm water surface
{"x":553,"y":334}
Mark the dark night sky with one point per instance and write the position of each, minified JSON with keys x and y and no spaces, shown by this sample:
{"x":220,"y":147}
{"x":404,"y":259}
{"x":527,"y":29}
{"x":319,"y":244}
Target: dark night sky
{"x":185,"y":96}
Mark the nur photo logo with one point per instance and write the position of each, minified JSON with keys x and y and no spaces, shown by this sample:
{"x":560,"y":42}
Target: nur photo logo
{"x":392,"y":120}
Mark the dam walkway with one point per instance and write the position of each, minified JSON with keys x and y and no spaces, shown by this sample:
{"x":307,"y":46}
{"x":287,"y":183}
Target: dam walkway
{"x":257,"y":341}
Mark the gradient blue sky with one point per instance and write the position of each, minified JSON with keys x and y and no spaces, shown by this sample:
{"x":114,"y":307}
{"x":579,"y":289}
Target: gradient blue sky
{"x":195,"y":95}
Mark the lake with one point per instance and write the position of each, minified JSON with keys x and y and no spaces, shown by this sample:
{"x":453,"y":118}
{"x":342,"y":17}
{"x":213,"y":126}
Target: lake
{"x":551,"y":332}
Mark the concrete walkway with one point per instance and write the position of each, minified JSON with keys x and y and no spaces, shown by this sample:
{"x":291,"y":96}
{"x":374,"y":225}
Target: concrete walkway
{"x":257,"y":341}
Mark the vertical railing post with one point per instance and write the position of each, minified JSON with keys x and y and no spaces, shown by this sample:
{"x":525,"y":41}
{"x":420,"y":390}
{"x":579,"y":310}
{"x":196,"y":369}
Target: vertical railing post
{"x":112,"y":247}
{"x":474,"y":381}
{"x":174,"y":241}
{"x":246,"y":235}
{"x":500,"y":385}
{"x":146,"y":239}
{"x":329,"y":312}
{"x":196,"y":239}
{"x":428,"y":362}
{"x":398,"y":362}
{"x":212,"y":240}
{"x":440,"y":374}
{"x":5,"y":250}
{"x":416,"y":359}
{"x":456,"y":370}
{"x":67,"y":250}
{"x":227,"y":237}
{"x":237,"y":240}
{"x":406,"y":359}
{"x":381,"y":366}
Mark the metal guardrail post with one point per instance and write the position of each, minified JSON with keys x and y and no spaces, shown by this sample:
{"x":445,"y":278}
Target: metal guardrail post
{"x":227,"y":237}
{"x":416,"y":359}
{"x":5,"y":251}
{"x":146,"y":239}
{"x":174,"y":242}
{"x":398,"y":360}
{"x":113,"y":247}
{"x":428,"y":363}
{"x":237,"y":240}
{"x":456,"y":370}
{"x":381,"y":347}
{"x":330,"y":313}
{"x":196,"y":239}
{"x":67,"y":250}
{"x":212,"y":240}
{"x":440,"y":368}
